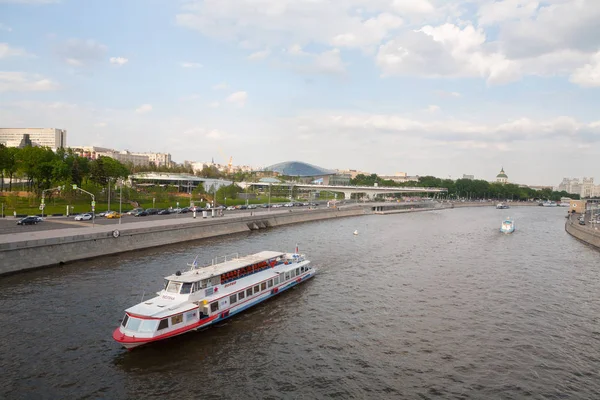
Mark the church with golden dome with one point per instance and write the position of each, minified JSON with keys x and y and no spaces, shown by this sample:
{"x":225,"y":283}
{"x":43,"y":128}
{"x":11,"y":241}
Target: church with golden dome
{"x":502,"y":177}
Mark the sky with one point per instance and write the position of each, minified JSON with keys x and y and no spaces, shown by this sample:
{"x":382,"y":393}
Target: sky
{"x":426,"y":87}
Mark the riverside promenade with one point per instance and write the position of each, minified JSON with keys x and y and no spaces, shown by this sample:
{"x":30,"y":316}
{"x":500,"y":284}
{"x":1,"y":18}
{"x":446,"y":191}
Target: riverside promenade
{"x":588,"y":233}
{"x":35,"y":249}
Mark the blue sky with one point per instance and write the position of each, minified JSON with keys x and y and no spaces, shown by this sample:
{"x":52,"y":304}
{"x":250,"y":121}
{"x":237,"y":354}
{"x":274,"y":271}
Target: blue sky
{"x":421,"y":86}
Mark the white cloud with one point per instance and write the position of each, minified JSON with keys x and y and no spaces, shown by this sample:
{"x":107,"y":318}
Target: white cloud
{"x":4,"y":27}
{"x":214,"y":104}
{"x":295,"y":50}
{"x":589,"y":74}
{"x":413,"y":6}
{"x":220,"y":86}
{"x":447,"y":130}
{"x":433,"y":108}
{"x":498,"y":41}
{"x":144,"y":108}
{"x":443,"y":93}
{"x":100,"y":124}
{"x":7,"y":51}
{"x":445,"y":51}
{"x":118,"y":60}
{"x":499,"y":11}
{"x":24,"y":82}
{"x":191,"y":65}
{"x":80,"y":53}
{"x":259,"y":55}
{"x":238,"y":98}
{"x":329,"y":62}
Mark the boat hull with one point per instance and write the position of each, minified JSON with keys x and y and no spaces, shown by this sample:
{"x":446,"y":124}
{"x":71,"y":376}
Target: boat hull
{"x":132,"y":342}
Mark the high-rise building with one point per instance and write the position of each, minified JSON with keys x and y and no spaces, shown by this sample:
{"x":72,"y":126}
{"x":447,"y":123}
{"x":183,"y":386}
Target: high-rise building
{"x":47,"y":137}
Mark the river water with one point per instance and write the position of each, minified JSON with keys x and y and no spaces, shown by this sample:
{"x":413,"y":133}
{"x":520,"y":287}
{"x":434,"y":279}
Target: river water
{"x":431,"y":305}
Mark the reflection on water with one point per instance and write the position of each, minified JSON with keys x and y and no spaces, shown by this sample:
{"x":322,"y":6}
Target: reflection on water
{"x":434,"y":304}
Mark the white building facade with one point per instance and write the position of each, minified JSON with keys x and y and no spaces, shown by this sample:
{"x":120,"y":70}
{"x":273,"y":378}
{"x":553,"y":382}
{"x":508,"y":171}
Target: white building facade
{"x":584,"y":188}
{"x":46,"y":137}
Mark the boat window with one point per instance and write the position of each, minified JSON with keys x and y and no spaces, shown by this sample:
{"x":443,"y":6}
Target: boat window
{"x":125,"y":320}
{"x":270,"y":283}
{"x":148,"y":325}
{"x":256,"y":289}
{"x":249,"y":292}
{"x":263,"y":286}
{"x":186,"y":288}
{"x":287,"y":276}
{"x":164,"y":324}
{"x":133,"y":324}
{"x":176,"y":319}
{"x":276,"y":280}
{"x":297,"y":271}
{"x":214,"y":306}
{"x":292,"y":273}
{"x":173,"y":287}
{"x":190,"y":316}
{"x":215,"y":280}
{"x":204,"y":283}
{"x":232,"y":298}
{"x":241,"y":295}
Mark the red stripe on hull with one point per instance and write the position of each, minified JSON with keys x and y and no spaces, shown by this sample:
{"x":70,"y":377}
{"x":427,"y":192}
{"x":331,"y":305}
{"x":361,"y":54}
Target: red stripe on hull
{"x":131,"y":341}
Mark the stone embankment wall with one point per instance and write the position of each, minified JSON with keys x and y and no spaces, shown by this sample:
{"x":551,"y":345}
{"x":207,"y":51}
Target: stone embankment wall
{"x":585,"y":233}
{"x":46,"y":248}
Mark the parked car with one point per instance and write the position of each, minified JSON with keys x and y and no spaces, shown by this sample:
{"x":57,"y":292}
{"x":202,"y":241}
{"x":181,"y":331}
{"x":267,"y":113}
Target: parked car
{"x":141,"y":213}
{"x":135,"y":211}
{"x":83,"y":217}
{"x":30,"y":220}
{"x":231,"y":208}
{"x":184,"y":210}
{"x":102,"y":214}
{"x":165,"y":211}
{"x":152,"y":211}
{"x":113,"y":214}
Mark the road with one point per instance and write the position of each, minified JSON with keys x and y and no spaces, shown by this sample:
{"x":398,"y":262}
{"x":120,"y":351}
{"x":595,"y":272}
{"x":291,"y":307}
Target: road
{"x":9,"y":225}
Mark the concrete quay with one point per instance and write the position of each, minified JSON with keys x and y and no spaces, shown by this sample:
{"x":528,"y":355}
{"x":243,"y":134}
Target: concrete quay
{"x":588,"y":233}
{"x":35,"y":249}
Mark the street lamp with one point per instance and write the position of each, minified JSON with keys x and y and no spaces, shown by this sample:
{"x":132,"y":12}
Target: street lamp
{"x":269,"y":196}
{"x":93,"y":202}
{"x":120,"y":199}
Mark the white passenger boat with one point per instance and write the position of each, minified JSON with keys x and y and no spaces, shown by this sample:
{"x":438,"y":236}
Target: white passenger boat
{"x":549,"y":203}
{"x":508,"y":226}
{"x":201,"y":297}
{"x":502,"y":206}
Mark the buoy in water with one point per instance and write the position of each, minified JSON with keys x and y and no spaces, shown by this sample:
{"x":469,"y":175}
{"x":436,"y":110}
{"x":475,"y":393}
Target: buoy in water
{"x":356,"y":232}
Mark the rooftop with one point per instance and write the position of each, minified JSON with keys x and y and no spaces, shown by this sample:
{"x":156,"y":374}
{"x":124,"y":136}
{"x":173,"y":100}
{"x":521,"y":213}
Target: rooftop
{"x":299,"y":168}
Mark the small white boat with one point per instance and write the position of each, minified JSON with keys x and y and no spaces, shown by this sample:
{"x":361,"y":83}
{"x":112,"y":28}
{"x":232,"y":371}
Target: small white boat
{"x":549,"y":203}
{"x":356,"y":232}
{"x":201,"y":297}
{"x":501,"y":206}
{"x":508,"y":226}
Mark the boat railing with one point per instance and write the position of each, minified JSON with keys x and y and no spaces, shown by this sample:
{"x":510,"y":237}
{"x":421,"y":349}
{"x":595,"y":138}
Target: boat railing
{"x":217,"y":260}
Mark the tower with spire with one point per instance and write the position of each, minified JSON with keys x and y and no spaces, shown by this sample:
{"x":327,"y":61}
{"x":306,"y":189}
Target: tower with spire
{"x":502,"y":177}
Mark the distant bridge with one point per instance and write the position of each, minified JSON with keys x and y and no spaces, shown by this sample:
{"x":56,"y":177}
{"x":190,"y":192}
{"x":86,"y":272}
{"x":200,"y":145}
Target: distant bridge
{"x":369,"y":191}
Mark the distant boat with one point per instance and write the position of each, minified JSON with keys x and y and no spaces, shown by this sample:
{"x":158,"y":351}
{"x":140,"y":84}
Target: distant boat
{"x":508,"y":226}
{"x":549,"y":203}
{"x":356,"y":232}
{"x":502,"y":206}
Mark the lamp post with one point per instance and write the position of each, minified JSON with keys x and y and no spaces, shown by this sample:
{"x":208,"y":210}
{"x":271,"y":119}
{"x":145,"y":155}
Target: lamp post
{"x":269,"y":196}
{"x":93,"y":202}
{"x":108,"y":195}
{"x":120,"y":200}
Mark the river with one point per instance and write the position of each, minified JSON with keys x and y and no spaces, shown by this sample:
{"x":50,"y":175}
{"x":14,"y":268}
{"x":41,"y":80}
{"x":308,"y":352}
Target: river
{"x":425,"y":305}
